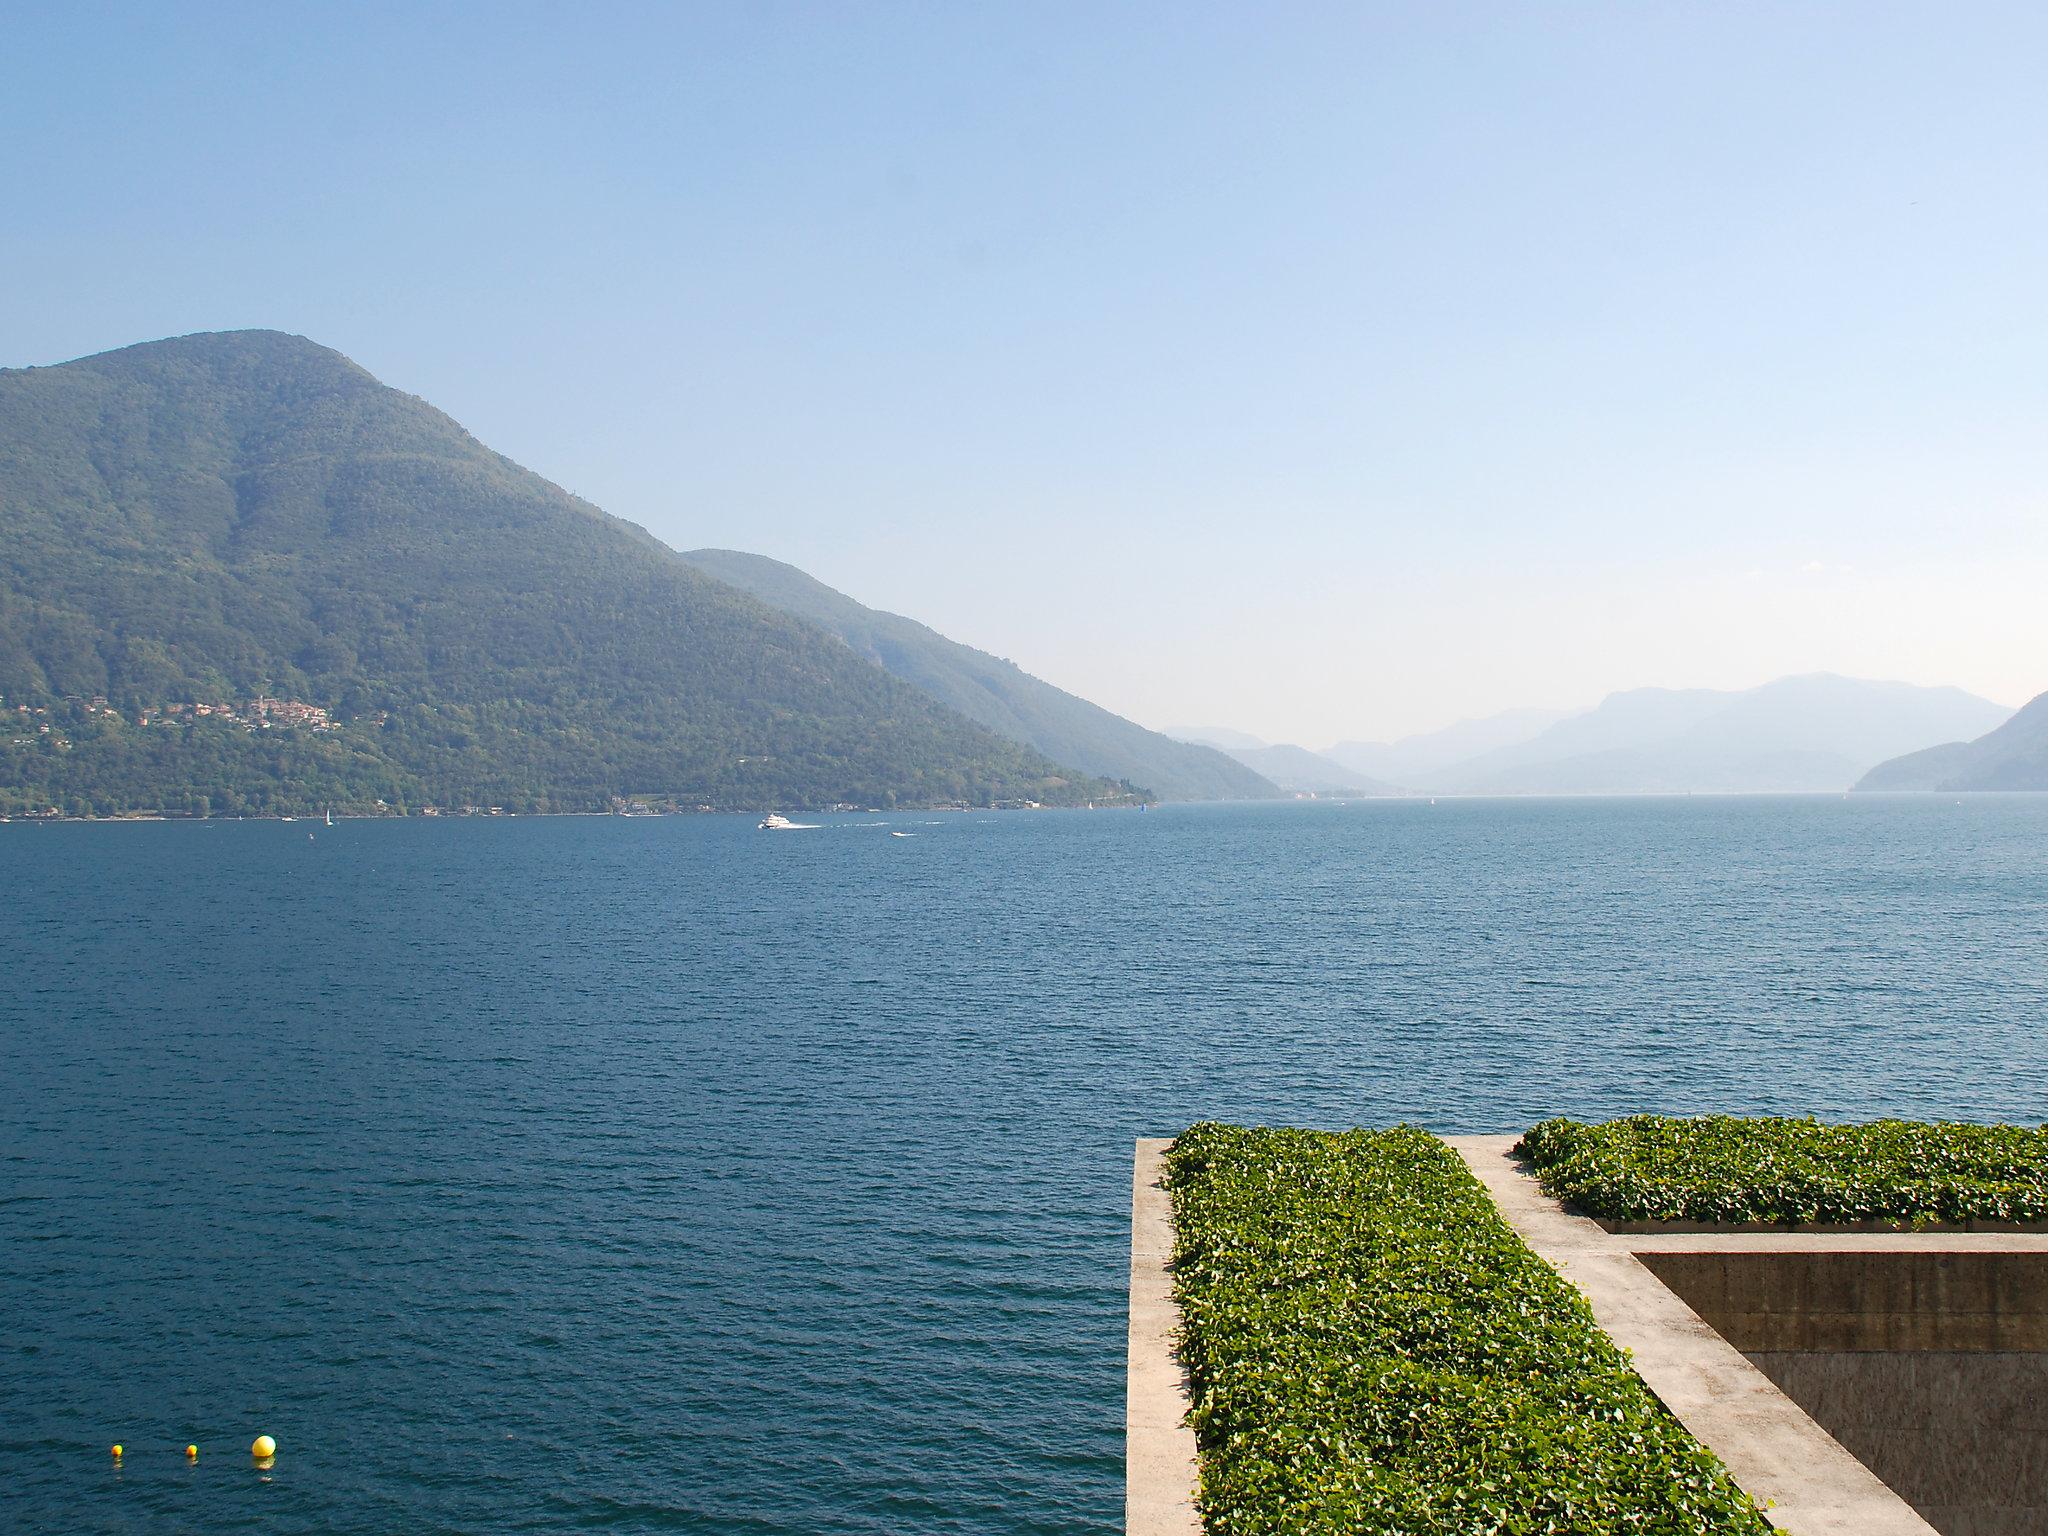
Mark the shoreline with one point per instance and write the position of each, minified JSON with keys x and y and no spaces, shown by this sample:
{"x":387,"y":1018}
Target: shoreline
{"x":901,"y":810}
{"x":1919,"y":795}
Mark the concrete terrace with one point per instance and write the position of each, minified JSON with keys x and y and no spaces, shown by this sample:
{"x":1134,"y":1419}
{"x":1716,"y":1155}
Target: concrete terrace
{"x":1810,"y":1362}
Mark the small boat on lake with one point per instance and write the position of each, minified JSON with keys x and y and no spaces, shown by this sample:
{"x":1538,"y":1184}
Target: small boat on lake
{"x":774,"y":823}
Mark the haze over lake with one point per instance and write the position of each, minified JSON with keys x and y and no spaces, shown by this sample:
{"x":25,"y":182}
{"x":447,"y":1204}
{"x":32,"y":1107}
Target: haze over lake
{"x":663,"y":1175}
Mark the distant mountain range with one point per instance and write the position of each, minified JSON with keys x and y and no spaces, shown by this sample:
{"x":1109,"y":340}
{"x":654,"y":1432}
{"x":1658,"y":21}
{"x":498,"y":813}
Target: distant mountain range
{"x":239,"y":574}
{"x":993,"y":692}
{"x":2014,"y":756}
{"x":1218,"y":736}
{"x":1817,"y":732}
{"x":1295,"y":770}
{"x":1415,"y":759}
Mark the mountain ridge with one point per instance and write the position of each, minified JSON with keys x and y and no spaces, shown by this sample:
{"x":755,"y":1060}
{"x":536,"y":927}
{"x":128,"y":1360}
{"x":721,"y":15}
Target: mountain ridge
{"x":1419,"y":755}
{"x":1295,"y":769}
{"x":1301,"y":771}
{"x":2013,"y":756}
{"x":1806,"y":732}
{"x":232,"y":515}
{"x":994,"y":692}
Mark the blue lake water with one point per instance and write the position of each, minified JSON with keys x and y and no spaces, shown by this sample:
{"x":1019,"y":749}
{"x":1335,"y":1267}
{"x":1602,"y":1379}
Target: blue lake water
{"x":665,"y":1175}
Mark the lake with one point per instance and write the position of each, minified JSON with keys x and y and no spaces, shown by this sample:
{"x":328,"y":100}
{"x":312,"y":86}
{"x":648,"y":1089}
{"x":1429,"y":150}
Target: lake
{"x":666,"y":1175}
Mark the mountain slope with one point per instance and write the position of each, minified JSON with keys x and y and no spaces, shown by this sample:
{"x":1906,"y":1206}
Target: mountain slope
{"x":1819,"y":732}
{"x":1300,"y":771}
{"x":1415,"y":757}
{"x":1294,"y":769}
{"x":996,"y":693}
{"x":2014,"y":756}
{"x":1620,"y":723}
{"x":217,"y":518}
{"x":1221,"y":737}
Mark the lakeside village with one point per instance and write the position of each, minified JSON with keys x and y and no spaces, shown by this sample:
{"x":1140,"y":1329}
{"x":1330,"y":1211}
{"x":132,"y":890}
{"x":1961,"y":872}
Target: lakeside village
{"x":31,"y":724}
{"x":261,"y":713}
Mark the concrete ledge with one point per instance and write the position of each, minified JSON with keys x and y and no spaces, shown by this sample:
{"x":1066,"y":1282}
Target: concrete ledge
{"x":1808,"y":1240}
{"x":1778,"y":1454}
{"x":1850,"y":1228}
{"x":1160,"y":1469}
{"x":1983,"y":1287}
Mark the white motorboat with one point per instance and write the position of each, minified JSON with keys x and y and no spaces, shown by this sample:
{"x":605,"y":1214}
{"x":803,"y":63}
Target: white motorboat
{"x":777,"y":824}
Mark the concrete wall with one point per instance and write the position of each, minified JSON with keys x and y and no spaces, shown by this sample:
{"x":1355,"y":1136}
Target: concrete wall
{"x":1931,"y":1368}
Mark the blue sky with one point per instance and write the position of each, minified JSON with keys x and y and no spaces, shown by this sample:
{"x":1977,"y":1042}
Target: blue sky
{"x":1326,"y":371}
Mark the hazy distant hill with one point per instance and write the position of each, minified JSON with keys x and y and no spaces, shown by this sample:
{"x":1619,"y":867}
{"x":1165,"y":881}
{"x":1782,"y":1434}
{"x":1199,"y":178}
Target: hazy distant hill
{"x":997,"y":693}
{"x":1295,"y":769}
{"x":1819,"y":732}
{"x":233,"y":518}
{"x":2015,"y":756}
{"x":1413,"y":758}
{"x":1298,"y":770}
{"x":1221,"y":737}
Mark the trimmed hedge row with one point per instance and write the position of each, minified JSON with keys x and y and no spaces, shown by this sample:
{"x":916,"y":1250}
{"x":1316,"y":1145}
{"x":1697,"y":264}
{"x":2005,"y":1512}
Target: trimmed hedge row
{"x":1723,"y":1169}
{"x":1373,"y":1351}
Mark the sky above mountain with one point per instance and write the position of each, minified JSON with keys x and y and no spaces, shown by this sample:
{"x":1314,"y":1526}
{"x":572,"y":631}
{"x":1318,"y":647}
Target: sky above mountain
{"x":1332,"y":371}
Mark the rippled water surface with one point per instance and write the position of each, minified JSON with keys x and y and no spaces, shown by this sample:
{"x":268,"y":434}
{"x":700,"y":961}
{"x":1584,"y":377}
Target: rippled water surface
{"x":665,"y":1175}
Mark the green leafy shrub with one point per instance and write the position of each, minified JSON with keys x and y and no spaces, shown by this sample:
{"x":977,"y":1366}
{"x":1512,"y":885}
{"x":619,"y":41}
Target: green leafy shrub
{"x":1372,"y":1350}
{"x":1723,"y":1169}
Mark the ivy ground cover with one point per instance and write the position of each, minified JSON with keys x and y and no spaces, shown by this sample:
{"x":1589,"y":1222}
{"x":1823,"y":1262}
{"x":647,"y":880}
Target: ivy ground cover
{"x":1374,"y":1351}
{"x":1723,"y":1169}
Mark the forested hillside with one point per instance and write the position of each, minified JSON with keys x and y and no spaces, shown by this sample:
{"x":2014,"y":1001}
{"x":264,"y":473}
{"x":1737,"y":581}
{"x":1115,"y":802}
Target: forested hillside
{"x":997,"y":693}
{"x":240,"y":574}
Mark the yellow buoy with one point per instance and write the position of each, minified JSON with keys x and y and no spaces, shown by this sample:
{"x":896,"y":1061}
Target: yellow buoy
{"x":264,"y":1446}
{"x":117,"y":1453}
{"x":191,"y":1453}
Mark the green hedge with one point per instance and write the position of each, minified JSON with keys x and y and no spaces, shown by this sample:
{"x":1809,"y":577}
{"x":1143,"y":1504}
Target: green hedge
{"x":1374,"y":1350}
{"x":1722,"y":1169}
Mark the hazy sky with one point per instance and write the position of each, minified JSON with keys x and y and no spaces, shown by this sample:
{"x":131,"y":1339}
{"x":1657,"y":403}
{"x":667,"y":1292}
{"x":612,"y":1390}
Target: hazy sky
{"x":1326,"y":371}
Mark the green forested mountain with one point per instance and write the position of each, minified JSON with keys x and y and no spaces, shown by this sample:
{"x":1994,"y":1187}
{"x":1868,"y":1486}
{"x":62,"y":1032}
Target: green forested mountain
{"x":235,"y":518}
{"x":2015,"y":756}
{"x":997,"y":693}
